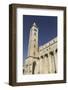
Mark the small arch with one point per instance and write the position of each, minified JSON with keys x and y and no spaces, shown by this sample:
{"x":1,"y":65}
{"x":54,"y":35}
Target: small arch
{"x":42,"y":57}
{"x":51,"y":53}
{"x":46,"y":55}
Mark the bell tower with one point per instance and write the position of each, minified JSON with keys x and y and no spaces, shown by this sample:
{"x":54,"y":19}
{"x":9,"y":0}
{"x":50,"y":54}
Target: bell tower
{"x":31,"y":62}
{"x":33,"y":41}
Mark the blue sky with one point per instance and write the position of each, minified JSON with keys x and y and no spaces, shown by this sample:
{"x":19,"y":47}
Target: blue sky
{"x":47,"y":29}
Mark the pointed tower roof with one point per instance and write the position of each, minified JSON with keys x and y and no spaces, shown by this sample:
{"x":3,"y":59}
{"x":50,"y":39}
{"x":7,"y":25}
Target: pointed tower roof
{"x":34,"y":24}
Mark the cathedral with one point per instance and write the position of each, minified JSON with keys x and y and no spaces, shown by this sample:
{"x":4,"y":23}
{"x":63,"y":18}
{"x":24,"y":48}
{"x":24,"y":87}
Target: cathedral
{"x":43,"y":59}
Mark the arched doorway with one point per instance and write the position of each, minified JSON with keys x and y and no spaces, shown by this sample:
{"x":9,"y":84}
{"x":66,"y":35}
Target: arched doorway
{"x":33,"y":67}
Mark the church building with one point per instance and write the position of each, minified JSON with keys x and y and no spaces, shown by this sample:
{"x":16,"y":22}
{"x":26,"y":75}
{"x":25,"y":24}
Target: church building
{"x":43,"y":59}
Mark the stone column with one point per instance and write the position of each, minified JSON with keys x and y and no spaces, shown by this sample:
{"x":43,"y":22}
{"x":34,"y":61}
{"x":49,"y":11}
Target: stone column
{"x":30,"y":69}
{"x":37,"y":69}
{"x":41,"y":65}
{"x":26,"y":69}
{"x":55,"y":55}
{"x":46,"y":64}
{"x":51,"y":62}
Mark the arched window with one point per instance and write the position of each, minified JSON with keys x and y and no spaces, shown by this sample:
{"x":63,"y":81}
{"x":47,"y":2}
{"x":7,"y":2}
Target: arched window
{"x":46,"y":55}
{"x":51,"y":53}
{"x":42,"y":57}
{"x":33,"y":67}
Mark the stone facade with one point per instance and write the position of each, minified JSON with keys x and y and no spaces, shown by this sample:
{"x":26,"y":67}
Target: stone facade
{"x":43,"y":59}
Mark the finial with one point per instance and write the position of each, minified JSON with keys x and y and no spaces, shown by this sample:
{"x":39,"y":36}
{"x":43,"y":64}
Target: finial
{"x":34,"y":24}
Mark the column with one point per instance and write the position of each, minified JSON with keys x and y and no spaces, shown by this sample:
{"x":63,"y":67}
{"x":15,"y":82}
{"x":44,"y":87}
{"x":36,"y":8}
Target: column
{"x":30,"y":68}
{"x":41,"y":65}
{"x":55,"y":55}
{"x":46,"y":64}
{"x":51,"y":62}
{"x":37,"y":69}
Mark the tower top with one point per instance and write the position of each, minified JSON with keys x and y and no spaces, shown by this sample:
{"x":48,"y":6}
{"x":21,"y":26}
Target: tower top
{"x":34,"y":24}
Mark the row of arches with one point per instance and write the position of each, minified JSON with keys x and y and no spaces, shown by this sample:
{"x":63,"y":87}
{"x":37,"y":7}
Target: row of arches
{"x":48,"y":58}
{"x":46,"y":54}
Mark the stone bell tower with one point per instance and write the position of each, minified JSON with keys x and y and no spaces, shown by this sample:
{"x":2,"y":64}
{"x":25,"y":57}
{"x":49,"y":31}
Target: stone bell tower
{"x":33,"y":41}
{"x":31,"y":63}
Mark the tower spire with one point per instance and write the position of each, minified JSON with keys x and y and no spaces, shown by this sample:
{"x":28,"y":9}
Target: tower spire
{"x":34,"y":24}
